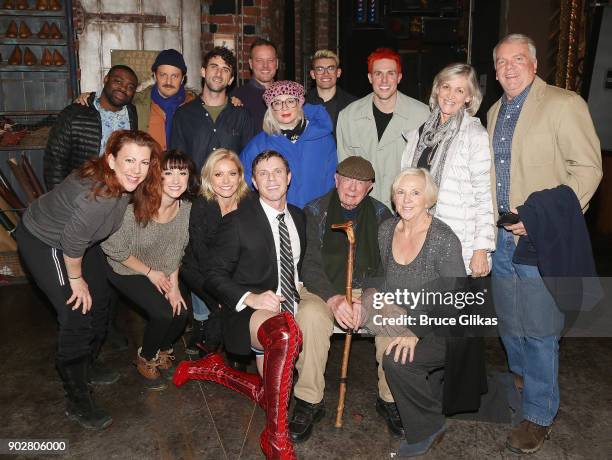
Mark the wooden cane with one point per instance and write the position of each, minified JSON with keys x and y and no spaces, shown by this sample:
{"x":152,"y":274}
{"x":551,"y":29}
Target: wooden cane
{"x":348,"y":229}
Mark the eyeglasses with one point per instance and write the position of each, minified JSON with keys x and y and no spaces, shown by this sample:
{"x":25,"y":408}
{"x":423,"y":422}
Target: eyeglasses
{"x":320,"y":70}
{"x":290,"y":103}
{"x":264,"y":174}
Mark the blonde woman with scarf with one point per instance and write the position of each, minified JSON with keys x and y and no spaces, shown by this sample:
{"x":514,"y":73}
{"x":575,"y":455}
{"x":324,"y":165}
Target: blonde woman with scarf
{"x":454,"y":147}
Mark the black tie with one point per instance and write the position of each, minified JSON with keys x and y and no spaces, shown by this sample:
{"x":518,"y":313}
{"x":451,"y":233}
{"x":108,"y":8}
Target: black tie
{"x":287,"y":271}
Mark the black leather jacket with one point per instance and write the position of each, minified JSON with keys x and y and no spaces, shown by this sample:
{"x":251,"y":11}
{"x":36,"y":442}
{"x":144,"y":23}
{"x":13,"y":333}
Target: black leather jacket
{"x":75,"y":138}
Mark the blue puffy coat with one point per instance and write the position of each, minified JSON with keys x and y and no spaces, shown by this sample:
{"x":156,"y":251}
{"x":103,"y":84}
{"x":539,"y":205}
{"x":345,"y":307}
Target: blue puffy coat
{"x":312,"y":158}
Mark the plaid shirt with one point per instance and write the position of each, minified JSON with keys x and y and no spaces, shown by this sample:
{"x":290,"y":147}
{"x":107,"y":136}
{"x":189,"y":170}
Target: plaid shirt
{"x":507,"y":118}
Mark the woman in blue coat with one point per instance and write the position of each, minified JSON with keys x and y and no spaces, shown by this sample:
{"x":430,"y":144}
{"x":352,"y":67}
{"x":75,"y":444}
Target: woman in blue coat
{"x":303,"y":134}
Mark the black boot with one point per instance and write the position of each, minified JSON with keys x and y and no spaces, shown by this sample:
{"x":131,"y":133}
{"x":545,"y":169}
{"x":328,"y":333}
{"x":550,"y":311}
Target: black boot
{"x":197,"y":337}
{"x":388,"y":410}
{"x":80,"y":405}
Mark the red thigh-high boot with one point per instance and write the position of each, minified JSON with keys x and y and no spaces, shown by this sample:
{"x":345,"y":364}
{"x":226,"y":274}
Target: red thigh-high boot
{"x":214,"y":369}
{"x":281,"y":340}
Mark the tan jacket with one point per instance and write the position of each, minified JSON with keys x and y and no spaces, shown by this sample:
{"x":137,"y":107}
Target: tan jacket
{"x":356,"y":135}
{"x":554,"y":143}
{"x":151,"y":117}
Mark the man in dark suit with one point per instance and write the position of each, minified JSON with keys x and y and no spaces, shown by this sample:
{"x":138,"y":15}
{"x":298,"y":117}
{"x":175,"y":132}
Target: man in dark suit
{"x":254,"y":273}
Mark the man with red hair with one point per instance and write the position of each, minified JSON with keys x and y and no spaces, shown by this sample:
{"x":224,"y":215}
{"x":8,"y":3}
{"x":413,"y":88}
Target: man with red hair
{"x":372,"y":127}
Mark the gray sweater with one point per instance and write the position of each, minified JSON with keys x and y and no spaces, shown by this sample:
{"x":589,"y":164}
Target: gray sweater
{"x":440,"y":257}
{"x":159,"y":246}
{"x":67,"y":218}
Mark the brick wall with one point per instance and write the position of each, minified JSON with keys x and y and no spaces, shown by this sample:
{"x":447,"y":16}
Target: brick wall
{"x":259,"y":18}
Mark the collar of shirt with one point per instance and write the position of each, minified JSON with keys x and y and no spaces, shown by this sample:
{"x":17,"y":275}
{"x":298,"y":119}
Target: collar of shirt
{"x":271,"y":212}
{"x":518,"y":100}
{"x":294,"y":237}
{"x":110,"y":113}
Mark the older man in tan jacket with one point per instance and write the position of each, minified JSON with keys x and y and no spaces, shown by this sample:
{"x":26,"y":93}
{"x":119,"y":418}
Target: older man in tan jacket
{"x":542,"y":137}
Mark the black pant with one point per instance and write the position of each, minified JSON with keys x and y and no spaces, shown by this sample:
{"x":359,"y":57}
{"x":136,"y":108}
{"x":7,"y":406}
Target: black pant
{"x":163,"y":328}
{"x":417,"y":388}
{"x":78,"y":333}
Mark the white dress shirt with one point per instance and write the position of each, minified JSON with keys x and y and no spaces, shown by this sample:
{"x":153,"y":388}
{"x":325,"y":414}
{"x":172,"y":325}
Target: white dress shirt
{"x":271,"y":214}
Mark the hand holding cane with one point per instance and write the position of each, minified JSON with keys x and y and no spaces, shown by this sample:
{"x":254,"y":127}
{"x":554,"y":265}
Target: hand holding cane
{"x":348,"y":228}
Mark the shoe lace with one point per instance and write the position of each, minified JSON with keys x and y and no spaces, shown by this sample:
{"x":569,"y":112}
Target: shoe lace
{"x":165,"y":357}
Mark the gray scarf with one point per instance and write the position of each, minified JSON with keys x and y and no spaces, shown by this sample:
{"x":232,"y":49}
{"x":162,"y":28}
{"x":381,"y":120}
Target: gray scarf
{"x":439,"y":138}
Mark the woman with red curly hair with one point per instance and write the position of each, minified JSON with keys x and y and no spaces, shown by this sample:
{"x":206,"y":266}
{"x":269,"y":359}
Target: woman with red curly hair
{"x":59,"y":240}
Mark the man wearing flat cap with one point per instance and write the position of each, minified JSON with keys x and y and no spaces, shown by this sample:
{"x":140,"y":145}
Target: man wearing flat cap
{"x":324,"y":276}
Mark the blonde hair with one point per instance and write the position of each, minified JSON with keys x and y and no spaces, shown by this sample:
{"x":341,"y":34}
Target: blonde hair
{"x":455,"y":70}
{"x":326,"y":54}
{"x":271,"y":125}
{"x":431,"y":189}
{"x":516,"y":38}
{"x":206,"y":188}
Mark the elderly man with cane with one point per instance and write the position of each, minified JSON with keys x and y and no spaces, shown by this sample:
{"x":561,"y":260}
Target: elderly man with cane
{"x":323,"y":294}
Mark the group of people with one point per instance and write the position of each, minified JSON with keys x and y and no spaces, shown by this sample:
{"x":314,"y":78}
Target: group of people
{"x":226,"y":202}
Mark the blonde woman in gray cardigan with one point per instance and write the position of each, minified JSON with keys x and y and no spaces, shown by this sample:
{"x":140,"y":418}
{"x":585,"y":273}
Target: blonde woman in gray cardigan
{"x":454,"y":146}
{"x":144,"y":262}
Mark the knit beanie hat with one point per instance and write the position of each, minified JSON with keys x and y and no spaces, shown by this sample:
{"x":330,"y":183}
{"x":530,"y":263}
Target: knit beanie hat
{"x":170,"y":57}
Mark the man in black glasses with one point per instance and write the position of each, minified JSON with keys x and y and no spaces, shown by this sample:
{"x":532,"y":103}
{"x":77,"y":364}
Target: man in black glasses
{"x":325,"y":72}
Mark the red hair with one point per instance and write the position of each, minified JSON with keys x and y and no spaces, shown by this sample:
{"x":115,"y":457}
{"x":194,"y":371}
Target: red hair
{"x":384,"y":53}
{"x":147,"y":196}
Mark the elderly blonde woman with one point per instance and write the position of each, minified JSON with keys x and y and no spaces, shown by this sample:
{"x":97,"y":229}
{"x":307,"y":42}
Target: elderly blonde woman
{"x":454,"y":146}
{"x":222,"y":189}
{"x":303,"y":135}
{"x":429,"y":373}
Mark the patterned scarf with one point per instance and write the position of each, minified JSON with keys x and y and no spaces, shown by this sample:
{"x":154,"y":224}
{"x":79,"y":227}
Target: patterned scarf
{"x":439,"y":137}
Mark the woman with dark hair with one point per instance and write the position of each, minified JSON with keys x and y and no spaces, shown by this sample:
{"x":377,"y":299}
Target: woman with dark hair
{"x":59,"y":242}
{"x":222,"y":190}
{"x":144,"y":257}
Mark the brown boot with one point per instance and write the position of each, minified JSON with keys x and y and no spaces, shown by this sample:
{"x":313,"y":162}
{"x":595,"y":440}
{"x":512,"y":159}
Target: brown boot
{"x":55,"y":5}
{"x":11,"y":30}
{"x":166,"y":363}
{"x":29,"y":58}
{"x":58,"y":59}
{"x":527,"y":437}
{"x":22,"y":5}
{"x":44,"y":31}
{"x":47,"y":58}
{"x":9,"y":4}
{"x":148,"y":370}
{"x":24,"y":30}
{"x":15,"y":57}
{"x":42,"y":5}
{"x":54,"y":32}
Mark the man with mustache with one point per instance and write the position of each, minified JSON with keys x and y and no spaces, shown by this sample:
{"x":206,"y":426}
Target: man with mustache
{"x":81,"y":131}
{"x":157,"y":104}
{"x":210,"y":122}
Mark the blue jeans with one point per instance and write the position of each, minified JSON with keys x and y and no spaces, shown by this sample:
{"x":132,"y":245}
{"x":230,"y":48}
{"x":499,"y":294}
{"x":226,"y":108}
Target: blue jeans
{"x":200,"y":309}
{"x":530,"y":325}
